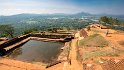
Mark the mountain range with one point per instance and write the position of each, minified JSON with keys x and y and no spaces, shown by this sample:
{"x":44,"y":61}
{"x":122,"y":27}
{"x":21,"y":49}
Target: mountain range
{"x":77,"y":15}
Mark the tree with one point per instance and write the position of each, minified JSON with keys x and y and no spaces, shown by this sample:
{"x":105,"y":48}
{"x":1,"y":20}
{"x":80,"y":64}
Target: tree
{"x":27,"y":31}
{"x":54,"y":30}
{"x":104,"y":19}
{"x":8,"y":30}
{"x":3,"y":35}
{"x":109,"y":20}
{"x":115,"y":21}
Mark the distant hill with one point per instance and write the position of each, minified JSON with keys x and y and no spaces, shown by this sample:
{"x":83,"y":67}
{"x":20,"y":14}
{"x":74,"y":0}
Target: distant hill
{"x":24,"y":16}
{"x":83,"y":14}
{"x":55,"y":14}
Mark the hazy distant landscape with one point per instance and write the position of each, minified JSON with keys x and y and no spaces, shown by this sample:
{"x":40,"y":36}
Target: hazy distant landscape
{"x":43,"y":22}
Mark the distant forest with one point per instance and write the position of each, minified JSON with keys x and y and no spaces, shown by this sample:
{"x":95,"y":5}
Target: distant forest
{"x":23,"y":22}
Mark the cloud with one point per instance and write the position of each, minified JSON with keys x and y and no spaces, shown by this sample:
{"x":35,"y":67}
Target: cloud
{"x":10,"y":7}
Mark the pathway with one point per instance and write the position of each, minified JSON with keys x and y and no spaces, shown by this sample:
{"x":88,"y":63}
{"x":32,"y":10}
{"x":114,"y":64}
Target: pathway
{"x":75,"y":65}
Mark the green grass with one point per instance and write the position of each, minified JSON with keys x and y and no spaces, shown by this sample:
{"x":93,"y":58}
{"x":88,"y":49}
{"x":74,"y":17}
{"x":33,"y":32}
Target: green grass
{"x":109,"y":52}
{"x":95,"y":40}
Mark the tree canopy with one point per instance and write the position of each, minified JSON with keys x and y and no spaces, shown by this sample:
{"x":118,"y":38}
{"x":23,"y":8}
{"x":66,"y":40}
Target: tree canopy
{"x":27,"y":31}
{"x":109,"y":20}
{"x":7,"y":30}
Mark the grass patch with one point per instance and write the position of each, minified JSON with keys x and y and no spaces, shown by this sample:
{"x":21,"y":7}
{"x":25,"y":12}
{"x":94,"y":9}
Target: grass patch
{"x":111,"y":52}
{"x":94,"y":40}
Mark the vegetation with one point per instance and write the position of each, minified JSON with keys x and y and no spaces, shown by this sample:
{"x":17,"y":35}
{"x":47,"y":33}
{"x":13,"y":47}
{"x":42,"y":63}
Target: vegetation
{"x":114,"y":23}
{"x":25,"y":22}
{"x":109,"y":20}
{"x":3,"y":35}
{"x":95,"y":40}
{"x":29,"y":30}
{"x":7,"y":30}
{"x":104,"y":19}
{"x":114,"y":52}
{"x":53,"y":30}
{"x":108,"y":52}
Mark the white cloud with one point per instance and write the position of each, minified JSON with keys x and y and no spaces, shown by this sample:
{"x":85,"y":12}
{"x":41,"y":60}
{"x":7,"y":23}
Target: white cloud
{"x":10,"y":8}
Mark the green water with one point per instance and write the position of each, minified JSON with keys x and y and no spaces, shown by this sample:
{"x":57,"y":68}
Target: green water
{"x":37,"y":51}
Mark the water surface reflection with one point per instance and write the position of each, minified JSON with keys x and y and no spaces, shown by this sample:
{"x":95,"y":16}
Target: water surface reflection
{"x":37,"y":51}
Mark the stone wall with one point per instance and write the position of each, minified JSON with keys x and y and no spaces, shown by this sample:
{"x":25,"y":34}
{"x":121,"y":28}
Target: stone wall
{"x":52,"y":36}
{"x":13,"y":41}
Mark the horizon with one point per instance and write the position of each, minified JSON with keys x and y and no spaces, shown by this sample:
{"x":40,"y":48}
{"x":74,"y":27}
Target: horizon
{"x":114,"y":7}
{"x":103,"y":14}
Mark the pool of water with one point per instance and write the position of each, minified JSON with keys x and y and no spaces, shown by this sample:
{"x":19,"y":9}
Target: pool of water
{"x":37,"y":51}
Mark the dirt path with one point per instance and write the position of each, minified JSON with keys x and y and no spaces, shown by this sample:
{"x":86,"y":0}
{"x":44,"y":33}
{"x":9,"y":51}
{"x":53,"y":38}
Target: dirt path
{"x":73,"y":55}
{"x":75,"y":65}
{"x":8,"y":64}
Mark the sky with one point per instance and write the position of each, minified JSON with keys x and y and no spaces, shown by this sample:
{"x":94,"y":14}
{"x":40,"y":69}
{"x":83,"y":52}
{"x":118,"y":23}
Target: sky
{"x":12,"y":7}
